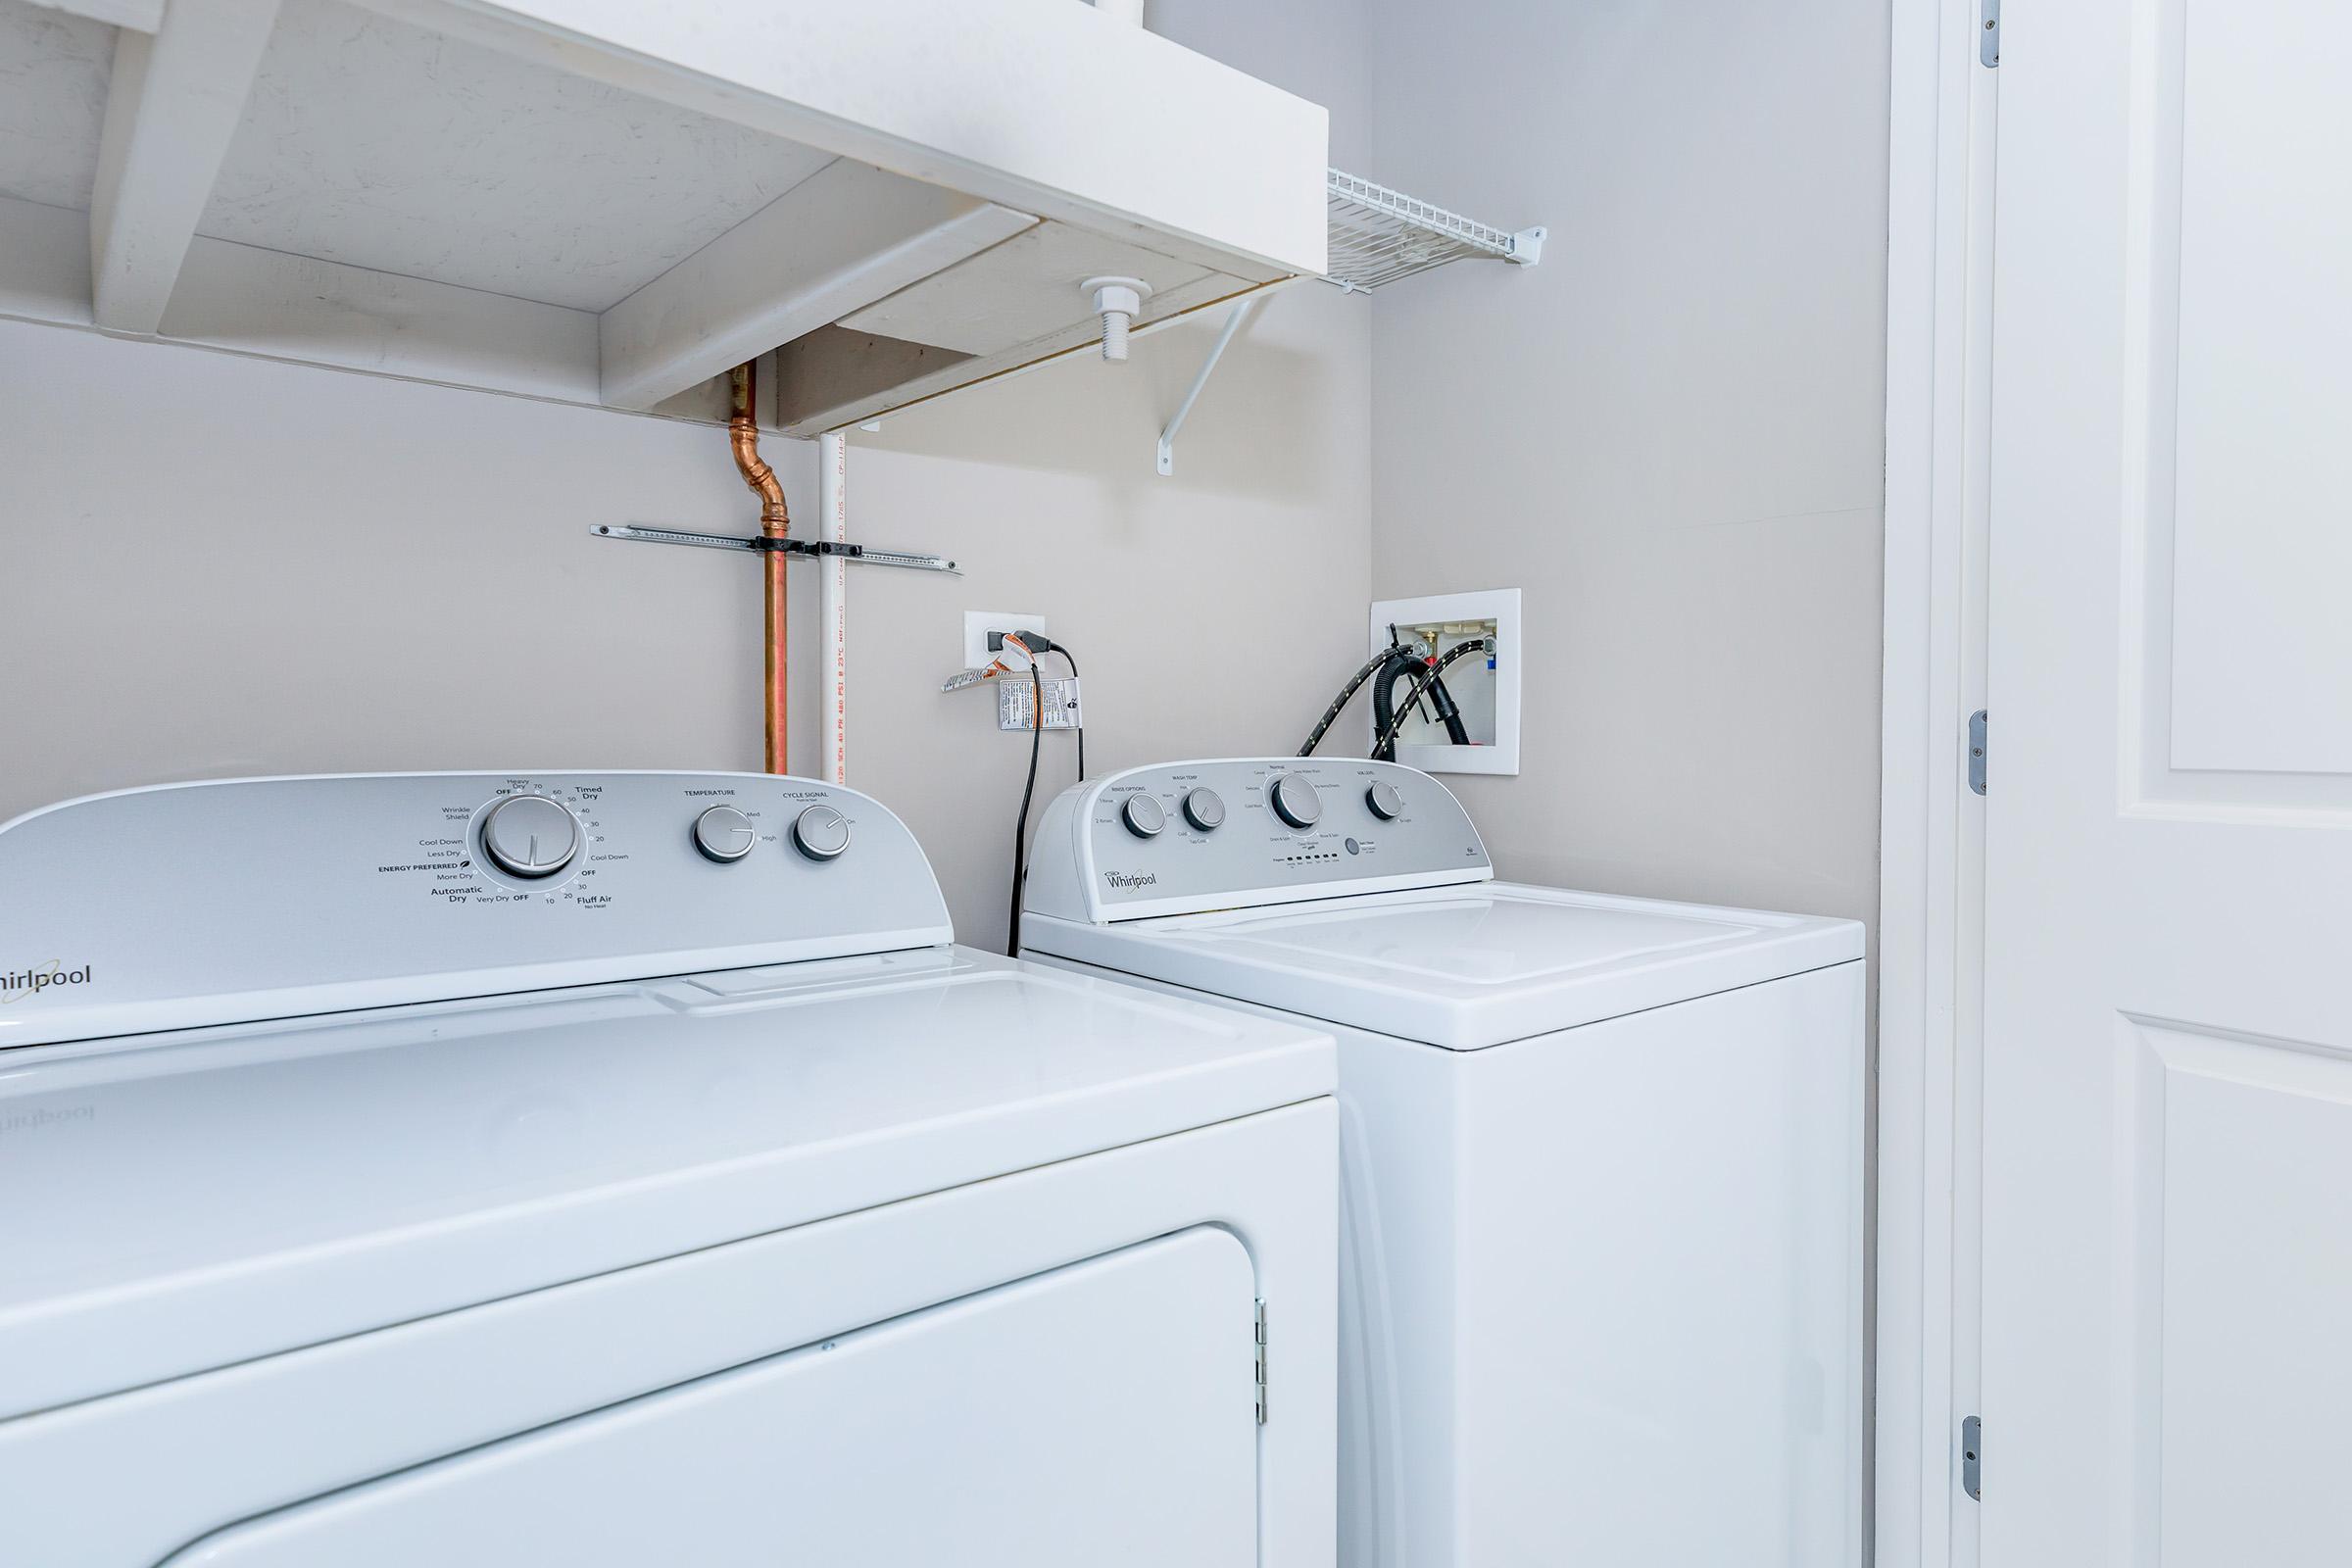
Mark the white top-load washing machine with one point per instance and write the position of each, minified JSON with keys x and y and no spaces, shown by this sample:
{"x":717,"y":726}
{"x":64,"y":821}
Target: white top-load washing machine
{"x":1602,"y":1290}
{"x":623,"y":1168}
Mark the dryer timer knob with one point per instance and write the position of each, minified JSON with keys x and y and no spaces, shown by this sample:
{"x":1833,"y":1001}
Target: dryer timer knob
{"x":530,"y":836}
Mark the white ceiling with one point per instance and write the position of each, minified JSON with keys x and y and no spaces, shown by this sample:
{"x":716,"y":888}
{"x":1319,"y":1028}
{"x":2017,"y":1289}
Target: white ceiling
{"x":53,"y":75}
{"x":381,"y":145}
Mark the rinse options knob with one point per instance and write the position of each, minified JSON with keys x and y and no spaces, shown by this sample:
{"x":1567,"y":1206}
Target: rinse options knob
{"x":821,"y":833}
{"x":530,"y":836}
{"x":1385,"y":800}
{"x":1143,"y":816}
{"x":1296,"y":802}
{"x":1204,"y":808}
{"x":724,"y":834}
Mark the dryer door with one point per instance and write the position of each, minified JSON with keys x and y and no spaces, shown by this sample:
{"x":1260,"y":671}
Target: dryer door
{"x":1101,"y":1413}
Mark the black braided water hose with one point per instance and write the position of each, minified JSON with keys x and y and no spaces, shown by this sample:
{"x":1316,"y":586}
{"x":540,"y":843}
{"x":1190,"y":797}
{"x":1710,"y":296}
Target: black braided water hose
{"x":1380,"y":741}
{"x":1355,"y":684}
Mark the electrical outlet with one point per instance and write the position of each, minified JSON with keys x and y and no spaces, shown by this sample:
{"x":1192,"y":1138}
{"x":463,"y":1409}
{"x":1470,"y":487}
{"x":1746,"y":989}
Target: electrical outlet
{"x":978,"y":623}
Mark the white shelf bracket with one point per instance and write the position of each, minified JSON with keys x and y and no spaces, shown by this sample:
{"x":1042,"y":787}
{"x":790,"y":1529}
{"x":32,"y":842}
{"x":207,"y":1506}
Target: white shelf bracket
{"x":173,"y":105}
{"x":1232,"y":326}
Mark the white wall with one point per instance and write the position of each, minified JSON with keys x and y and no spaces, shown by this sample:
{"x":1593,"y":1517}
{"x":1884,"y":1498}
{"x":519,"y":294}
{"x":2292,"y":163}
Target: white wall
{"x":1669,"y":433}
{"x":213,"y":565}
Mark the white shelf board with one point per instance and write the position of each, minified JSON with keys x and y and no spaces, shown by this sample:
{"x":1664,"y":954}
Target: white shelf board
{"x":594,"y":200}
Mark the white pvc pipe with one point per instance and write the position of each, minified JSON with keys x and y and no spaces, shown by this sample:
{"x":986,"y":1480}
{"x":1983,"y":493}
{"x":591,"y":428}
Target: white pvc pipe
{"x":832,"y":598}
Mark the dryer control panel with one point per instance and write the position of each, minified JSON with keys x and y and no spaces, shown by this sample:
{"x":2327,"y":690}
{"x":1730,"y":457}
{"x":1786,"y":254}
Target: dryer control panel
{"x":1183,"y":836}
{"x":251,"y":898}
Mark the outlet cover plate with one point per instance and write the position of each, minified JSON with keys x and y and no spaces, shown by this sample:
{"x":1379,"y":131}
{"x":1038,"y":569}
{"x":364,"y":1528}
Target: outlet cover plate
{"x":978,"y":623}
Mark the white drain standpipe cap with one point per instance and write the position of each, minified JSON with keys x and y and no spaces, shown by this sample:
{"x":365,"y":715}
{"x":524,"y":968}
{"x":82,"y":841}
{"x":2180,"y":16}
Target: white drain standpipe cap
{"x":1116,"y":300}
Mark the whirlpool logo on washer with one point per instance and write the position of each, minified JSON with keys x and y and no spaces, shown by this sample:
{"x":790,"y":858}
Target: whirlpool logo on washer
{"x":18,"y":984}
{"x":1131,"y":879}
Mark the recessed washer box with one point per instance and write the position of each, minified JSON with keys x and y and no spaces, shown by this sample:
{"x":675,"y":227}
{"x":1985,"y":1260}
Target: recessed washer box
{"x":1484,"y":687}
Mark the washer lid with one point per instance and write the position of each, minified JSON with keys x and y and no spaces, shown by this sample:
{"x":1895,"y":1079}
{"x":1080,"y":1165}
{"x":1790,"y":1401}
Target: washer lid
{"x":1462,"y":967}
{"x":187,"y":1201}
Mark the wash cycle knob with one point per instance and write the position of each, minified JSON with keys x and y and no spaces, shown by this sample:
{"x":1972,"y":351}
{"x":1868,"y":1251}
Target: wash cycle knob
{"x":821,"y":833}
{"x":530,"y":836}
{"x":1296,"y":802}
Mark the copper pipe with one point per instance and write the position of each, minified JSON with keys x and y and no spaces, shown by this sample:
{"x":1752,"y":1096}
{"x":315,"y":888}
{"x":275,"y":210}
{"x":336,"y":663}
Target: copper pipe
{"x":776,"y":521}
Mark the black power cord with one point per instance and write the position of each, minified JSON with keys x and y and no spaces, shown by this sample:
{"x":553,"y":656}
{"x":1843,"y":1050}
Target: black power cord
{"x":1385,"y":740}
{"x":1020,"y":827}
{"x":1036,"y":645}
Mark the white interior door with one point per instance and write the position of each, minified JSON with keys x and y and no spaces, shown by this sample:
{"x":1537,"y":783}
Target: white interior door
{"x":2168,"y":1081}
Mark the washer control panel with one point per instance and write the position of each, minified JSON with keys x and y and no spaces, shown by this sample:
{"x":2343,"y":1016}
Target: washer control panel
{"x":1190,"y":835}
{"x":269,"y":898}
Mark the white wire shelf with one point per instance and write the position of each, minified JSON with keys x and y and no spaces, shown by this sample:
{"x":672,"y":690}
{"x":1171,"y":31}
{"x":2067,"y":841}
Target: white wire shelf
{"x":1379,"y":235}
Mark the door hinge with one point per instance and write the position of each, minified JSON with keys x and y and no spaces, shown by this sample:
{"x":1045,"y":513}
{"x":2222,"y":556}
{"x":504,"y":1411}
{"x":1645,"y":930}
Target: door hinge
{"x":1988,"y":35}
{"x":1972,"y":1457}
{"x":1258,"y":1360}
{"x":1975,"y":751}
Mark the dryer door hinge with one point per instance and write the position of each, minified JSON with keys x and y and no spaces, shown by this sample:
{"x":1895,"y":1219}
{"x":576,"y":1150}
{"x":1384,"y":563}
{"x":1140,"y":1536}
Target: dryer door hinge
{"x":1972,"y":1457}
{"x":1975,"y":751}
{"x":1258,"y":1359}
{"x":1988,"y":35}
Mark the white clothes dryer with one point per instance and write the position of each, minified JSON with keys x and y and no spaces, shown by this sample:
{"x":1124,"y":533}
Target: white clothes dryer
{"x":1601,"y":1280}
{"x":625,"y":1168}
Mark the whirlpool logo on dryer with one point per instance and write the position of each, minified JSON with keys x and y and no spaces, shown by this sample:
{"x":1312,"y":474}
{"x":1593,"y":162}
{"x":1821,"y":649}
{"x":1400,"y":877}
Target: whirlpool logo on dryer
{"x":1131,"y":879}
{"x":18,"y":984}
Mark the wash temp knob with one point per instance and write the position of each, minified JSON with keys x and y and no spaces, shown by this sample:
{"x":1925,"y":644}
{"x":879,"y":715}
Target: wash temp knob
{"x":530,"y":836}
{"x":1204,"y":808}
{"x":1295,"y":801}
{"x":821,"y":833}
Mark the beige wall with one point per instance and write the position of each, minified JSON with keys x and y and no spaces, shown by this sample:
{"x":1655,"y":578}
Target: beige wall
{"x":213,"y":565}
{"x":1669,"y":433}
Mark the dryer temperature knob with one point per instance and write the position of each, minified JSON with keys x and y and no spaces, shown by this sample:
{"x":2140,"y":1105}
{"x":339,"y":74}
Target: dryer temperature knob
{"x":724,"y":835}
